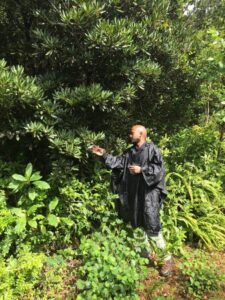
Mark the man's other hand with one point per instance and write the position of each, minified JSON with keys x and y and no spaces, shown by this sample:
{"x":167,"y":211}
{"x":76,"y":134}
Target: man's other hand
{"x":134,"y":169}
{"x":97,"y":150}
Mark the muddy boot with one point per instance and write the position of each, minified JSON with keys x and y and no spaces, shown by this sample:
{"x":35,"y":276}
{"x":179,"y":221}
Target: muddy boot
{"x":166,"y":268}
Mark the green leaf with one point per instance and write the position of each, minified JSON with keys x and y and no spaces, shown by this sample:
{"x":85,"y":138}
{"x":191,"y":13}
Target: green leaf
{"x":21,"y":224}
{"x":43,"y":229}
{"x":33,"y":208}
{"x":80,"y":284}
{"x":19,"y":177}
{"x":53,"y":204}
{"x":36,"y":176}
{"x":18,"y":212}
{"x":221,"y":64}
{"x":32,"y":195}
{"x":42,"y":185}
{"x":52,"y":220}
{"x":67,"y":221}
{"x":28,"y":171}
{"x":32,"y":223}
{"x":14,"y":186}
{"x":39,"y":217}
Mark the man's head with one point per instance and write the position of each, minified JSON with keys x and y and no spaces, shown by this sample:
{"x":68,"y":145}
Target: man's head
{"x":138,"y":133}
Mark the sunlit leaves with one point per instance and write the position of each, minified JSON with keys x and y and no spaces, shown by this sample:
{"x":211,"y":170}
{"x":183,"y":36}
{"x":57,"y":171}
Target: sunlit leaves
{"x":52,"y":220}
{"x":82,"y":13}
{"x":19,"y":177}
{"x":53,"y":204}
{"x":42,"y":185}
{"x":112,"y":36}
{"x":88,"y":96}
{"x":67,"y":143}
{"x":17,"y":89}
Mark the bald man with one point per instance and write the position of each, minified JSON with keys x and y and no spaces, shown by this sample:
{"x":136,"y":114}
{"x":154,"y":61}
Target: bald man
{"x":139,"y":179}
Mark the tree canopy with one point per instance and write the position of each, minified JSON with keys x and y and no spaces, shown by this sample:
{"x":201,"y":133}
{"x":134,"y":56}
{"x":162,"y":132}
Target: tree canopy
{"x":75,"y":73}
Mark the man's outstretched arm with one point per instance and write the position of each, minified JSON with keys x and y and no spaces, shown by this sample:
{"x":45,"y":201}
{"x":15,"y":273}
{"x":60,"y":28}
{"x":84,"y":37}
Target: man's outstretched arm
{"x":112,"y":162}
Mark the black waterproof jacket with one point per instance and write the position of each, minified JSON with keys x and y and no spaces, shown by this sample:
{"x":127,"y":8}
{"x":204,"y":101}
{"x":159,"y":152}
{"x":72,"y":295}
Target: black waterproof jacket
{"x":140,"y":195}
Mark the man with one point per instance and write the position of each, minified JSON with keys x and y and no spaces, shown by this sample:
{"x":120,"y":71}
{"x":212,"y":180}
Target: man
{"x":139,"y":179}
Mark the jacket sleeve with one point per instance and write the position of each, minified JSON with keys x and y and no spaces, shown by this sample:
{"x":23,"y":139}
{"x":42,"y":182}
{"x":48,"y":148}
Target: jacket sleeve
{"x":154,"y":171}
{"x":114,"y":162}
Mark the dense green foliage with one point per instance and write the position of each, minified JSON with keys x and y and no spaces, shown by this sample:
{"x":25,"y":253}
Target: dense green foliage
{"x":74,"y":73}
{"x":111,"y":268}
{"x":200,"y":275}
{"x":20,"y":275}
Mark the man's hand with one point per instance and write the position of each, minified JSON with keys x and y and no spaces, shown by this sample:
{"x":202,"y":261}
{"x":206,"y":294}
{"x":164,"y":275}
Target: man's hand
{"x":97,"y":150}
{"x":134,"y":169}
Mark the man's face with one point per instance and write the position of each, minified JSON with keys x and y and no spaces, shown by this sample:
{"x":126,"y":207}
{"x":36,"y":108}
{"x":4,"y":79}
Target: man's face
{"x":135,"y":135}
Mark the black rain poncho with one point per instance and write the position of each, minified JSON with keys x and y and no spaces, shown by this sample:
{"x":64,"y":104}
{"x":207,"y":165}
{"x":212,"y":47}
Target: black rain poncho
{"x":140,"y":195}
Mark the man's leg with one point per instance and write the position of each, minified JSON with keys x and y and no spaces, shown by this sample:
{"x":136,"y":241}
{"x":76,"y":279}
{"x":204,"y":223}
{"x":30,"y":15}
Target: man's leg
{"x":160,"y":243}
{"x":152,"y":227}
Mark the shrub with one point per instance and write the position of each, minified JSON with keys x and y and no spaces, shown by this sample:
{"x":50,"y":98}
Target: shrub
{"x":111,"y":268}
{"x":194,"y":209}
{"x":88,"y":205}
{"x":18,"y":276}
{"x":200,"y":275}
{"x":27,"y":212}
